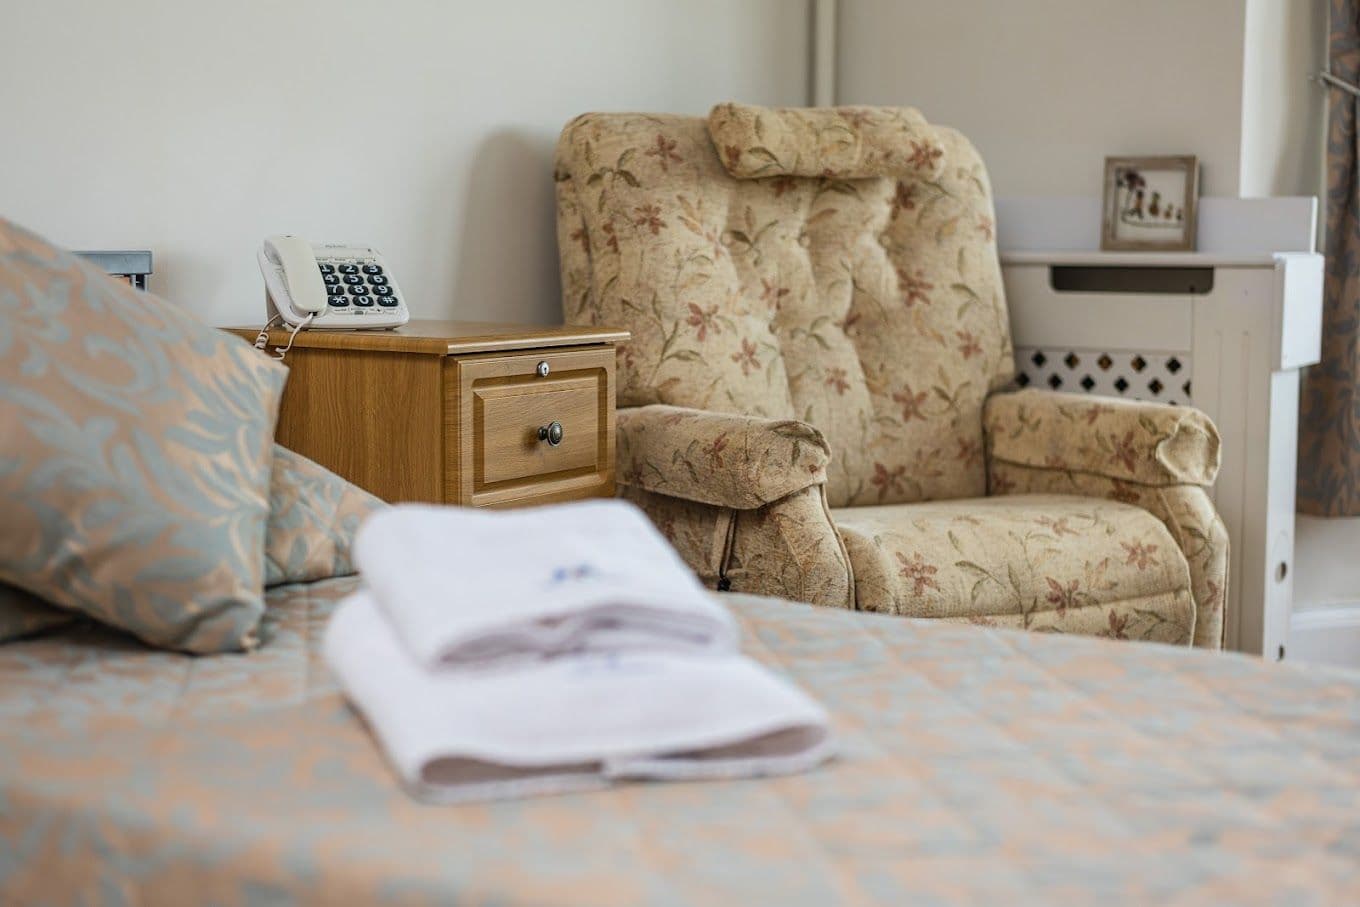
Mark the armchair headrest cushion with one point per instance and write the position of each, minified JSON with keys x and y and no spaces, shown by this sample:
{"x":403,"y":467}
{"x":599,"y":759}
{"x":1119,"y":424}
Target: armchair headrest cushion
{"x":834,"y":142}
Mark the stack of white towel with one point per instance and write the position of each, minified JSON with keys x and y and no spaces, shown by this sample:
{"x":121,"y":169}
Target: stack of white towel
{"x":553,"y":649}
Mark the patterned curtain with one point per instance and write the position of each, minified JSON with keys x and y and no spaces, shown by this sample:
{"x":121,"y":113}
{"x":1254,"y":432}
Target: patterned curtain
{"x":1329,"y":419}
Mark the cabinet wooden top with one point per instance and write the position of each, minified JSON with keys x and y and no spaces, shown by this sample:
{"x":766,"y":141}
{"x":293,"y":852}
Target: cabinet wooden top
{"x":445,"y":338}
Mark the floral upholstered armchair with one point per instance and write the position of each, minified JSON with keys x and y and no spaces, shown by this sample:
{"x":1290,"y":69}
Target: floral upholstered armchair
{"x":812,"y":404}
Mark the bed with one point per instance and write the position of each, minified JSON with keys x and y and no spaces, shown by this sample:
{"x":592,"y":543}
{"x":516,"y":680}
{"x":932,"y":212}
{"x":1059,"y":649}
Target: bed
{"x":976,"y":765}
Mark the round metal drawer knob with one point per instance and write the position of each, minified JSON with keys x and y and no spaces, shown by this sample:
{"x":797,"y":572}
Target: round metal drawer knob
{"x":542,"y":369}
{"x":552,"y":433}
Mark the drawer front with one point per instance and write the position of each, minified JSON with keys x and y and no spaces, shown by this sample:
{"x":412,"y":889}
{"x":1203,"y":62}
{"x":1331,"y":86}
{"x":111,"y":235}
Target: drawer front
{"x":508,"y":419}
{"x":506,"y":414}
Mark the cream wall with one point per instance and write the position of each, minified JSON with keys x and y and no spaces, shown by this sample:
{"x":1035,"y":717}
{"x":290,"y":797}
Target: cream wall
{"x":423,"y":128}
{"x":1283,"y":113}
{"x":1048,"y":88}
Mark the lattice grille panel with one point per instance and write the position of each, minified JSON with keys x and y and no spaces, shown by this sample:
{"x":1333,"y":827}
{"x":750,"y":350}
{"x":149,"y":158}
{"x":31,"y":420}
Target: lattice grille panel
{"x":1164,"y":378}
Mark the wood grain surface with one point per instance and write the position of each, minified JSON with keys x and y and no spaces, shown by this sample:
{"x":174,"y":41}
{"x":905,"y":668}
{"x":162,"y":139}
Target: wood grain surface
{"x":449,"y":412}
{"x":444,"y":338}
{"x":502,"y":402}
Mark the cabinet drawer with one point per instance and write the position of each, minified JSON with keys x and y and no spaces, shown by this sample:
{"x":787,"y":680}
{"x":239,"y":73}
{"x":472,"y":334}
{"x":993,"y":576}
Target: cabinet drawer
{"x":507,"y":411}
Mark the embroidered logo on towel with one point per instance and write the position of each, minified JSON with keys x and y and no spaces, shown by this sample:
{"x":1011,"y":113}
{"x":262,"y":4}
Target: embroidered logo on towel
{"x":574,"y":572}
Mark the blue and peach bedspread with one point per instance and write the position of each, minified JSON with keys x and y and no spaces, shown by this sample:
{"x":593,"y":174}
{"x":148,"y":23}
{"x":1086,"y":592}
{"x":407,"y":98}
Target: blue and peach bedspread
{"x":976,"y":766}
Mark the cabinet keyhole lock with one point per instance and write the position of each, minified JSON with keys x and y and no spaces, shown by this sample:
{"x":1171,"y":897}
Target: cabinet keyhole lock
{"x":542,"y":369}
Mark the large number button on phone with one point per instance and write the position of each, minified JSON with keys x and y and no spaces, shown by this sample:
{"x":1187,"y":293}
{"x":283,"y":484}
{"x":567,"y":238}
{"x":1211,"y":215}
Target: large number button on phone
{"x":389,"y":302}
{"x":338,"y":301}
{"x":335,"y":291}
{"x":363,"y":301}
{"x":331,"y":279}
{"x":349,"y":269}
{"x":382,"y":290}
{"x":360,"y":290}
{"x":377,"y":280}
{"x":327,"y":269}
{"x":353,"y":279}
{"x":372,"y":269}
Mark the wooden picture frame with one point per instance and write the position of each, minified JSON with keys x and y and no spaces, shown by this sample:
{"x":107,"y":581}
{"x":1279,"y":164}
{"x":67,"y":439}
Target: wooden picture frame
{"x":1150,"y":203}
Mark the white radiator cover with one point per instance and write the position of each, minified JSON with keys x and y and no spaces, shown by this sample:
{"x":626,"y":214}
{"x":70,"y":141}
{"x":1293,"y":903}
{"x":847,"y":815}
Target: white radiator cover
{"x":1234,"y":351}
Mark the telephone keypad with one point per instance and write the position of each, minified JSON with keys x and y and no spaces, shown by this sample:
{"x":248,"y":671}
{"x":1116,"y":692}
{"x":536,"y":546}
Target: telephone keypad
{"x":356,"y":289}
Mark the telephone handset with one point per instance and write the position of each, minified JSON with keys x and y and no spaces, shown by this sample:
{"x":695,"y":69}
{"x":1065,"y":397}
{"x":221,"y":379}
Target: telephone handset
{"x":335,"y":286}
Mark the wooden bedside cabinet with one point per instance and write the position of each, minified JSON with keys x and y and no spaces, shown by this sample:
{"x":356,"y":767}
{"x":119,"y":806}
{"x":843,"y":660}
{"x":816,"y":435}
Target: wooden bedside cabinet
{"x":453,"y":412}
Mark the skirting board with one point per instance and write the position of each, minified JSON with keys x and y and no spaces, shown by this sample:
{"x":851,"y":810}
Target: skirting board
{"x":1325,"y":623}
{"x":1326,"y":636}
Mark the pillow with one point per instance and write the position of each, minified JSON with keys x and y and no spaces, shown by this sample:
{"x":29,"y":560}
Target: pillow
{"x":835,"y":142}
{"x":135,"y":452}
{"x":24,"y":614}
{"x":313,"y":517}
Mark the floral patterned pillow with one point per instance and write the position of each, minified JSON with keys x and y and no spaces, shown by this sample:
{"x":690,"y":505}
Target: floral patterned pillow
{"x":24,"y":614}
{"x":313,"y":517}
{"x":135,"y":454}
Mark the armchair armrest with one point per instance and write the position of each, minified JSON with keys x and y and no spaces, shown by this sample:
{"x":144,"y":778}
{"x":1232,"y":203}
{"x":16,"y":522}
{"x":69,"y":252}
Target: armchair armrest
{"x":724,"y":459}
{"x":1145,"y":443}
{"x":1149,"y":455}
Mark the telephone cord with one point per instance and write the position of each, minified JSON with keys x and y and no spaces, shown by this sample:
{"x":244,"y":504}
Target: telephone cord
{"x":263,"y":339}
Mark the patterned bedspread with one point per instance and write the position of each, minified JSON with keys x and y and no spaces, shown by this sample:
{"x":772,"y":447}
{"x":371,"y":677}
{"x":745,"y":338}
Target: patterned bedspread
{"x":976,"y":766}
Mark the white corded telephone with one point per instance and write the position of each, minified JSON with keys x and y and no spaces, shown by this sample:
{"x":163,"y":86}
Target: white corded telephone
{"x":335,"y":286}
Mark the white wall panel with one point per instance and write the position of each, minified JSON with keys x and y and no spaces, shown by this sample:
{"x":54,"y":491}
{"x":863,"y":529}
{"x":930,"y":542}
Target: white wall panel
{"x":423,"y":128}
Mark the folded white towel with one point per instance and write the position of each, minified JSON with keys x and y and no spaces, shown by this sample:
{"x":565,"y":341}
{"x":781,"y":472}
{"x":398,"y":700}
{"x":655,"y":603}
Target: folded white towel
{"x":482,"y":588}
{"x":571,"y":723}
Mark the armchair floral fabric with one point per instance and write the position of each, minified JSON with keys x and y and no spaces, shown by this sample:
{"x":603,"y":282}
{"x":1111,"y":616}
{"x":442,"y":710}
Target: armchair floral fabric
{"x":838,"y":143}
{"x":818,"y":324}
{"x":725,"y":459}
{"x":1048,"y":562}
{"x":1147,"y":443}
{"x":869,"y":308}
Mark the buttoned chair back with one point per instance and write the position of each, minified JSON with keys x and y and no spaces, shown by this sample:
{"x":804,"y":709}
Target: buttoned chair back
{"x":834,"y":266}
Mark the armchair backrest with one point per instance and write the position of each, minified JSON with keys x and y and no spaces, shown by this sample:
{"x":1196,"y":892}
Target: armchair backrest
{"x":832,"y":265}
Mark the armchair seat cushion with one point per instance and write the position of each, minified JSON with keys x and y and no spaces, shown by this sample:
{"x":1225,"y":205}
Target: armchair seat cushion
{"x":1038,"y":562}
